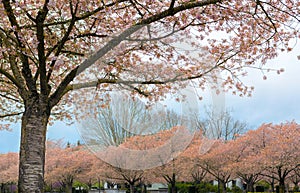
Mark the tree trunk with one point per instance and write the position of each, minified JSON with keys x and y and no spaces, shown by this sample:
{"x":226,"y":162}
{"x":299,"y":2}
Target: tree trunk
{"x":2,"y":188}
{"x":171,"y":180}
{"x":99,"y":185}
{"x":250,"y":186}
{"x":249,"y":183}
{"x":223,"y":186}
{"x":51,"y":188}
{"x":32,"y":147}
{"x":281,"y":186}
{"x":144,"y":190}
{"x":90,"y":184}
{"x":131,"y":185}
{"x":173,"y":188}
{"x":69,"y":187}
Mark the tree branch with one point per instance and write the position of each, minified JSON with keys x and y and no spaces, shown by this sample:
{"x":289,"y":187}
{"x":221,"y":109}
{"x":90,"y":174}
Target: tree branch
{"x":26,"y":71}
{"x":10,"y":77}
{"x":41,"y":49}
{"x":62,"y":42}
{"x":16,"y":78}
{"x":11,"y":114}
{"x":11,"y":97}
{"x":61,"y":90}
{"x":81,"y":17}
{"x":172,"y":5}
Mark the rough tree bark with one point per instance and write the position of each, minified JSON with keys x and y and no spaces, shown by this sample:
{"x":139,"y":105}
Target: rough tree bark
{"x":32,"y":147}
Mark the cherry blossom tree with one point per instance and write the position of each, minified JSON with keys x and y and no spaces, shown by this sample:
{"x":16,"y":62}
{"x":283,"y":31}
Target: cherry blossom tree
{"x":248,"y":170}
{"x":177,"y":170}
{"x":169,"y":164}
{"x":67,"y":165}
{"x":281,"y":154}
{"x":295,"y":179}
{"x":95,"y":174}
{"x":131,"y":177}
{"x":217,"y":162}
{"x":8,"y":170}
{"x":191,"y":157}
{"x":269,"y":151}
{"x":245,"y":151}
{"x":48,"y":47}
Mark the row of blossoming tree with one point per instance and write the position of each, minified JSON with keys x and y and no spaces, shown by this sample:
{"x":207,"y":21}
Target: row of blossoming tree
{"x":270,"y":153}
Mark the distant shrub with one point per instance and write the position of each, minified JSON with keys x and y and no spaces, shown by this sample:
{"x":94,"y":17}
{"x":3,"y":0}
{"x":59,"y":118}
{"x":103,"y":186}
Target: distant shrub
{"x":188,"y":187}
{"x":236,"y":189}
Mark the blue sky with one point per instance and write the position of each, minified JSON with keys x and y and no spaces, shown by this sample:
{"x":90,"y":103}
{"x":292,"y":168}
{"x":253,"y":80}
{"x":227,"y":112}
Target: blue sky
{"x":274,"y":100}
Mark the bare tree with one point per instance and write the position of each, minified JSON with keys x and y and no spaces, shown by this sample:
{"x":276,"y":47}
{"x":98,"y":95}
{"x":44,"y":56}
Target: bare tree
{"x":119,"y":117}
{"x":220,"y":125}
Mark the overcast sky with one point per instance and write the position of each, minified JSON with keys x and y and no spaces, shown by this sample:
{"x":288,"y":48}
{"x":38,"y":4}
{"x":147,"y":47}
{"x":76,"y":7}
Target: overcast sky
{"x":274,"y":100}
